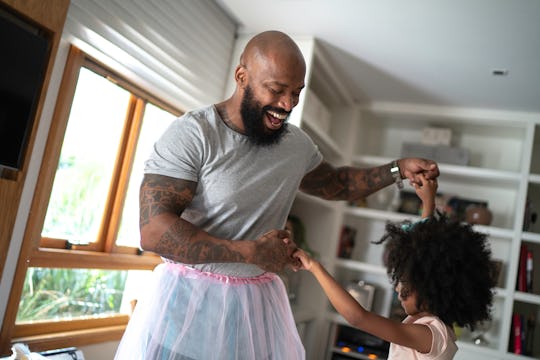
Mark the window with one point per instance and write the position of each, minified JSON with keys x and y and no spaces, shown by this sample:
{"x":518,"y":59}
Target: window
{"x":85,"y":264}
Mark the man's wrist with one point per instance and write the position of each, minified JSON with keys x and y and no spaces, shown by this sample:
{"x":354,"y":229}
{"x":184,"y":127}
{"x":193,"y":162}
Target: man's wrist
{"x":396,"y":174}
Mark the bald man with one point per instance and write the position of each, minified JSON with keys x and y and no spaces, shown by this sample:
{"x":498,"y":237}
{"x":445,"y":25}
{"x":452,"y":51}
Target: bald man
{"x":215,"y":197}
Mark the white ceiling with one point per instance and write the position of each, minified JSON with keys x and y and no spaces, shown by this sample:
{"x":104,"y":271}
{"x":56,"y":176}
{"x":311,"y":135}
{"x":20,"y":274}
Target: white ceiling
{"x":435,"y":52}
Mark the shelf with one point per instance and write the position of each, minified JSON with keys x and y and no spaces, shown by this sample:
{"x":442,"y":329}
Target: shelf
{"x":485,"y":350}
{"x":485,"y":117}
{"x":495,"y":231}
{"x":527,"y":297}
{"x":382,"y":215}
{"x":500,"y":292}
{"x":534,"y":178}
{"x":531,"y":237}
{"x":328,"y":147}
{"x":360,"y":266}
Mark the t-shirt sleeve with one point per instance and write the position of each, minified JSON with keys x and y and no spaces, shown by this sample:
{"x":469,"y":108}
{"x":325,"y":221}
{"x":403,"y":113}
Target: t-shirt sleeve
{"x":178,"y":152}
{"x":439,"y":332}
{"x":315,"y":160}
{"x":315,"y":156}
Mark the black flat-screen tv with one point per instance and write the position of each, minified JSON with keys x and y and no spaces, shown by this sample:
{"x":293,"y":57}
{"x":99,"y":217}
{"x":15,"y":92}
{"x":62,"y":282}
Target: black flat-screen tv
{"x":24,"y":56}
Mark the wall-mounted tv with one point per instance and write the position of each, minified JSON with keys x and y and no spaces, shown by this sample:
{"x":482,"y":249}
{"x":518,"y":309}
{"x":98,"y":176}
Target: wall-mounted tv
{"x":25,"y":51}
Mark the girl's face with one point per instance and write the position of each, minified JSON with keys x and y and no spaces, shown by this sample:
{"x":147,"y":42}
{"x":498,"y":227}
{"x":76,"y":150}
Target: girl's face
{"x":290,"y":228}
{"x":408,"y":301}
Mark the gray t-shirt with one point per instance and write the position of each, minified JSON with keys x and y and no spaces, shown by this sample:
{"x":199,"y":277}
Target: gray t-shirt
{"x":243,"y":190}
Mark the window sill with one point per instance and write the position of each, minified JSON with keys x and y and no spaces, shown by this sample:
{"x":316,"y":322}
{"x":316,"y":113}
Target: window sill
{"x":48,"y":335}
{"x":75,"y":338}
{"x":44,"y":257}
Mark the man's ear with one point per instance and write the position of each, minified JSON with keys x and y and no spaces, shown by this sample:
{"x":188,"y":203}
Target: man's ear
{"x":240,"y":75}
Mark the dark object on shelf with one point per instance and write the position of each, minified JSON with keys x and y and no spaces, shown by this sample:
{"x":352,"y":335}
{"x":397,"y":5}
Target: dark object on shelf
{"x":410,"y":203}
{"x":360,"y":342}
{"x":521,"y":283}
{"x":496,"y":274}
{"x":478,"y":214}
{"x":440,"y":153}
{"x":458,"y":207}
{"x":530,"y":216}
{"x":346,"y":242}
{"x":529,"y":335}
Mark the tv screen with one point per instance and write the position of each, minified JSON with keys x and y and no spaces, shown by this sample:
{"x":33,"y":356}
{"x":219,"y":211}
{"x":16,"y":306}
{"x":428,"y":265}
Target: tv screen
{"x":23,"y":61}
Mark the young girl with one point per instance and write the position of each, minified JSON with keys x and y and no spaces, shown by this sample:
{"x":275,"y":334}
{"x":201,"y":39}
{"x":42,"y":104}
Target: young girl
{"x":442,"y":272}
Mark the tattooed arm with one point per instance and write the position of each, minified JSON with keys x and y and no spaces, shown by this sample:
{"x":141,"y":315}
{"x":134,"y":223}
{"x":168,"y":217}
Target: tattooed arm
{"x":350,"y":183}
{"x":163,"y":231}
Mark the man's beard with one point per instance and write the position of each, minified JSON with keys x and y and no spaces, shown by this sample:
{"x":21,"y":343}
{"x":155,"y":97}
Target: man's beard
{"x":252,"y":117}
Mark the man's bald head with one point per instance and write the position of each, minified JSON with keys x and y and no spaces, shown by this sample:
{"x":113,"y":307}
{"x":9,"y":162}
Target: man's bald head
{"x":272,"y":45}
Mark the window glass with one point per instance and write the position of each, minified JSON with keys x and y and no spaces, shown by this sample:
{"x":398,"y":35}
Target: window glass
{"x":68,"y":294}
{"x":65,"y":294}
{"x":154,"y":123}
{"x":87,"y":160}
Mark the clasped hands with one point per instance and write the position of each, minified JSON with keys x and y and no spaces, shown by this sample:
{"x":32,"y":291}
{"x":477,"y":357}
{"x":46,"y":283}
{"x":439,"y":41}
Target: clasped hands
{"x":274,"y":251}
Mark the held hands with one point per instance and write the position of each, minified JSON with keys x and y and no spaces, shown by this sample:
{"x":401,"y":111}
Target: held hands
{"x":306,"y":261}
{"x":273,"y":251}
{"x":426,"y":191}
{"x":413,"y":168}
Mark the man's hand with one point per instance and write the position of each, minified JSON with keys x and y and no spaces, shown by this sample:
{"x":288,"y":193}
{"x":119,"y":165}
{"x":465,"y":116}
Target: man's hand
{"x":273,"y":251}
{"x":412,"y":168}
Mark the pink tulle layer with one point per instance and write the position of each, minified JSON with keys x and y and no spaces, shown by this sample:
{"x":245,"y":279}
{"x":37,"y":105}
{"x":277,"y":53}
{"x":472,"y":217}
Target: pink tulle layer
{"x":188,"y":314}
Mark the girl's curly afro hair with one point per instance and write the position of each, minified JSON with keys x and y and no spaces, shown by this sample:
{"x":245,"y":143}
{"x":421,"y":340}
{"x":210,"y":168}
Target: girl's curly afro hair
{"x":447,"y":264}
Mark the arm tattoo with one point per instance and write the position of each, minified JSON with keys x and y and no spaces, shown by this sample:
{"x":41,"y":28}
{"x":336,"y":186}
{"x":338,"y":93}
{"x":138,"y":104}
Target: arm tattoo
{"x":160,"y":194}
{"x":182,"y":241}
{"x":178,"y":243}
{"x":345,"y":183}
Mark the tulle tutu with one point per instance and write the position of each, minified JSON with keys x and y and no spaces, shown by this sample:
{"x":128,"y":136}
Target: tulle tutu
{"x":188,"y":314}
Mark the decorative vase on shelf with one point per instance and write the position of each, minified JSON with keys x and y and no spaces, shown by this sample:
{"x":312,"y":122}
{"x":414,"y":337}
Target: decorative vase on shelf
{"x":478,"y":214}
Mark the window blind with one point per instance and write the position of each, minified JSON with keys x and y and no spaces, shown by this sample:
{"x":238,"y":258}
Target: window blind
{"x":178,"y":49}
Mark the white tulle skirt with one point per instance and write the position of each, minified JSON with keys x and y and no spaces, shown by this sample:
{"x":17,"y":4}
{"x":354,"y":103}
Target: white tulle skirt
{"x":188,"y":314}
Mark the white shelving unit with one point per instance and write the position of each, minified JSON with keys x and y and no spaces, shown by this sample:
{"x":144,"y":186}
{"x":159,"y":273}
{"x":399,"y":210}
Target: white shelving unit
{"x":503,"y":169}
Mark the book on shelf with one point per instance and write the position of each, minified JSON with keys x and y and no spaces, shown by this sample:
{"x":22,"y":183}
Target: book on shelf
{"x":346,"y":242}
{"x":525,"y":275}
{"x":529,"y":271}
{"x":522,"y":339}
{"x":529,"y":335}
{"x":516,"y":333}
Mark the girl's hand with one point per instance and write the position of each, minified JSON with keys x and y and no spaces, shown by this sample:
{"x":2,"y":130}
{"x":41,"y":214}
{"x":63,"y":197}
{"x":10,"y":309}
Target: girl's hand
{"x":426,"y":189}
{"x":304,"y":258}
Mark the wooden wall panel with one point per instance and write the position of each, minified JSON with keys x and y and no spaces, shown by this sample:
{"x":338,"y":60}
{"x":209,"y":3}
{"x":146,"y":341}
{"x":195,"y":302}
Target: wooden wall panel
{"x":50,"y":15}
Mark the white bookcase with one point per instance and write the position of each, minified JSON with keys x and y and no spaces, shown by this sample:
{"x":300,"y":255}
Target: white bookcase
{"x":503,"y":169}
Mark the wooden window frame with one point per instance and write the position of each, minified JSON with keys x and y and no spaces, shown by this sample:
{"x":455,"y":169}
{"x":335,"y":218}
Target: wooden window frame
{"x":104,"y":253}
